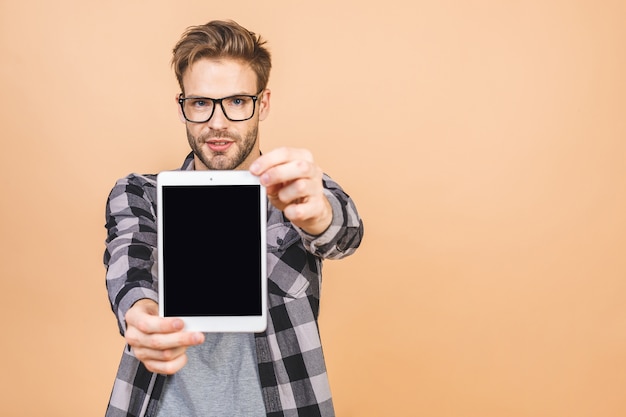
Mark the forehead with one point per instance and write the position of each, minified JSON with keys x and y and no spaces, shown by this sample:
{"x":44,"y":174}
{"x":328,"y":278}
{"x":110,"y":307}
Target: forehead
{"x":219,"y":78}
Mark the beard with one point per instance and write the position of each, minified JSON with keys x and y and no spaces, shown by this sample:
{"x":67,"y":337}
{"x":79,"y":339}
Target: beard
{"x":241,"y":147}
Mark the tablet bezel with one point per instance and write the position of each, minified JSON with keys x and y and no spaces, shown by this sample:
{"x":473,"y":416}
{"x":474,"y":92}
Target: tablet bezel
{"x":255,"y":323}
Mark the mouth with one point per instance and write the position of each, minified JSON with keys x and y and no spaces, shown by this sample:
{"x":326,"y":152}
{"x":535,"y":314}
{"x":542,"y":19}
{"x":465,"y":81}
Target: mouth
{"x":218,"y":145}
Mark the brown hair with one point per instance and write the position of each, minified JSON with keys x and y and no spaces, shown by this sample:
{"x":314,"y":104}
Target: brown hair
{"x":222,"y":39}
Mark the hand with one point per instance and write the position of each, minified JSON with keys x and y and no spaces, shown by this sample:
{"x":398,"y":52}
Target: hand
{"x":294,"y":186}
{"x":158,"y":342}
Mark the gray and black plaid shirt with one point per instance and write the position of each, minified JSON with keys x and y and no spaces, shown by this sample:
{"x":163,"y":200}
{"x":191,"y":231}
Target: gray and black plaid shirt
{"x":289,"y":353}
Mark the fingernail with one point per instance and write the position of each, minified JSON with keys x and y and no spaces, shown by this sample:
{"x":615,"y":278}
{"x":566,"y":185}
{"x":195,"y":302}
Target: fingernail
{"x":254,"y":167}
{"x":178,"y":324}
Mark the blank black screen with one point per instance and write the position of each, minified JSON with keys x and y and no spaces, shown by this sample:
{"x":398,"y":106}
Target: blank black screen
{"x":211,"y":250}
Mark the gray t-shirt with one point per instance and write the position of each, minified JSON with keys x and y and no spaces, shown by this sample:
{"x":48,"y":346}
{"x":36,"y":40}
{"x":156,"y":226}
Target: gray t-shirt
{"x":221,"y":379}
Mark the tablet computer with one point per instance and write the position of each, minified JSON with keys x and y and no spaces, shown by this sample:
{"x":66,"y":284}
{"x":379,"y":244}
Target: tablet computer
{"x":211,"y":250}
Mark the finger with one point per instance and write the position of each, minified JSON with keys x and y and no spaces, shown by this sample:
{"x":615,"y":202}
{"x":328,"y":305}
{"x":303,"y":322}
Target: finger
{"x":296,"y":192}
{"x":166,"y":367}
{"x":162,"y":341}
{"x":290,"y":171}
{"x":145,"y":320}
{"x":279,"y":156}
{"x":313,"y":215}
{"x":146,"y":354}
{"x":303,"y":210}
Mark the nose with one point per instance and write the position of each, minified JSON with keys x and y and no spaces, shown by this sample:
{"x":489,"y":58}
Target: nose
{"x":218,"y":120}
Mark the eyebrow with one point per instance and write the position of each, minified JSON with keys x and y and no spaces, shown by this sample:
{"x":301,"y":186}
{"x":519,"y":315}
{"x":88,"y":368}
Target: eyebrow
{"x":217,"y":98}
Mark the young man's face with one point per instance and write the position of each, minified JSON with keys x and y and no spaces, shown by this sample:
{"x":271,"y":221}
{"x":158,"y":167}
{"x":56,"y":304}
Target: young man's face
{"x":220,"y":143}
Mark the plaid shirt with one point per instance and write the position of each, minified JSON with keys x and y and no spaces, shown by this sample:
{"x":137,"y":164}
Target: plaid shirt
{"x":289,"y":353}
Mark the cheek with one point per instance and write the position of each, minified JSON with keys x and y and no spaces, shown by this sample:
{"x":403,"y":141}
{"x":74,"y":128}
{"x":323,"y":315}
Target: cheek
{"x":251,"y":132}
{"x":195,"y":130}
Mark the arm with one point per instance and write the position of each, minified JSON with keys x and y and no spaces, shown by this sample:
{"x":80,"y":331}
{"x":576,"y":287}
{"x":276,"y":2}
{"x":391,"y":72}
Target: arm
{"x":130,"y":255}
{"x":130,"y":260}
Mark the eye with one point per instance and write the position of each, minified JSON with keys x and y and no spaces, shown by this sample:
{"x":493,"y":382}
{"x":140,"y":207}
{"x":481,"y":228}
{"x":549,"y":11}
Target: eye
{"x":199,"y":103}
{"x":237,"y":101}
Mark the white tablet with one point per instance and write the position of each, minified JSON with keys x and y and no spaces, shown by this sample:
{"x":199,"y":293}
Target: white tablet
{"x":211,"y":250}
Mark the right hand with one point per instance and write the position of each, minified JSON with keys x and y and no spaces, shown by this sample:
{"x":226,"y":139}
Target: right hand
{"x":159,"y":343}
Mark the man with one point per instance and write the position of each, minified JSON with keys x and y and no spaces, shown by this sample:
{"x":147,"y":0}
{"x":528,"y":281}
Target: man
{"x":223,"y":70}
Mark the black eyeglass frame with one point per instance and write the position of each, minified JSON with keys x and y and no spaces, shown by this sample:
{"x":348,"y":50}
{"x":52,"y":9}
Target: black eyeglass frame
{"x":216,"y":101}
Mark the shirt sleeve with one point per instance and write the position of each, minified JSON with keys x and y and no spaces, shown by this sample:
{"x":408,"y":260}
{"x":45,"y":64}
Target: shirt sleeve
{"x":131,"y":244}
{"x":345,"y":232}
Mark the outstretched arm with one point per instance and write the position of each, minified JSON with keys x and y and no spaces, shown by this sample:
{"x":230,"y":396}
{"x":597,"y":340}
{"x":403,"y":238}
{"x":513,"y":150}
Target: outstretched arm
{"x":130,"y":256}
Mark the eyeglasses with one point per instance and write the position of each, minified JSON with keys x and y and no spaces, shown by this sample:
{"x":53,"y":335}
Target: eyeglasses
{"x":236,"y":108}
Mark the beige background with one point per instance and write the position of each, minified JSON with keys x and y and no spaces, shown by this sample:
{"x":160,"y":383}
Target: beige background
{"x":483,"y":141}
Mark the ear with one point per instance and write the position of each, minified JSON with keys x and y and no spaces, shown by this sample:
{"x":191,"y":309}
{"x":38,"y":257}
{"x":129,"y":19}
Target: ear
{"x":264,"y":104}
{"x":180,"y":111}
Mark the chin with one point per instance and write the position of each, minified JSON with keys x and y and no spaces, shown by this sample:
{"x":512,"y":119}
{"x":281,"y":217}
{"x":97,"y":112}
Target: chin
{"x":219,"y":162}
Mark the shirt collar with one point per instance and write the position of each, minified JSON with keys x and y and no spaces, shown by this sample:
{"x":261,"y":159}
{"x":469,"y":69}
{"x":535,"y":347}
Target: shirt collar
{"x":189,"y":164}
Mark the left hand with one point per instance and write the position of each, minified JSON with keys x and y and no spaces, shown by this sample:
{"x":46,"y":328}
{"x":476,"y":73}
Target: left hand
{"x":294,"y":186}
